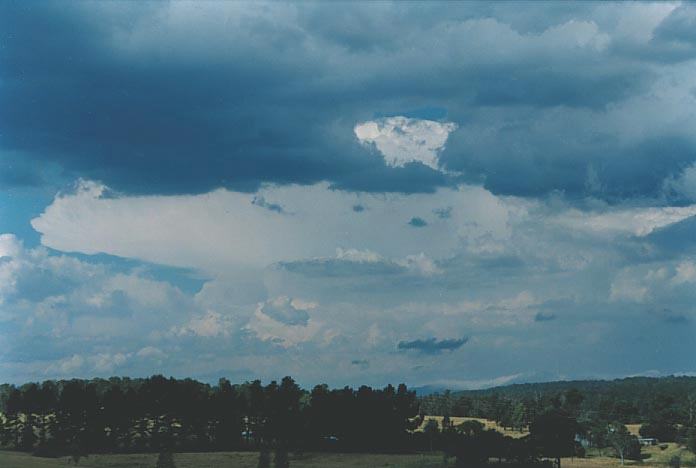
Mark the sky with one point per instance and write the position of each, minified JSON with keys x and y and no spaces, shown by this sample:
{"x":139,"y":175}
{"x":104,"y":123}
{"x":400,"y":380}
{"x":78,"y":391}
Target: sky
{"x":459,"y":195}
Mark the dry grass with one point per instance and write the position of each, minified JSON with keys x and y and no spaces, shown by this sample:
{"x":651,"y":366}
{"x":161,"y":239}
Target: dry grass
{"x":488,"y":424}
{"x":633,"y":429}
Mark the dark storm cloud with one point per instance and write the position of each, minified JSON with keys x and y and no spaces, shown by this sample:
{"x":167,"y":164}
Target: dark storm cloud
{"x":234,"y":95}
{"x":676,"y":239}
{"x":432,"y":345}
{"x":679,"y":26}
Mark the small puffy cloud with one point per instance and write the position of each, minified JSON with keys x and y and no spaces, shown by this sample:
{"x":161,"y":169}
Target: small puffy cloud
{"x":10,"y":246}
{"x":81,"y":364}
{"x":628,"y":289}
{"x":357,"y":255}
{"x":68,"y":366}
{"x":208,"y":325}
{"x":360,"y":363}
{"x":420,"y":264}
{"x":402,"y":140}
{"x":432,"y":345}
{"x":288,"y":311}
{"x":261,"y":201}
{"x":417,"y":222}
{"x":685,"y":273}
{"x":106,"y":363}
{"x":151,"y":352}
{"x":286,"y":322}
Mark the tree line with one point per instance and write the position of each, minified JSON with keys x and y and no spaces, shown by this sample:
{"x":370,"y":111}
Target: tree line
{"x":138,"y":415}
{"x":77,"y":417}
{"x":664,"y":408}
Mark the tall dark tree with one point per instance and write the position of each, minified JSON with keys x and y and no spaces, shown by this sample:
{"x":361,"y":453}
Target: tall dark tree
{"x":554,"y":434}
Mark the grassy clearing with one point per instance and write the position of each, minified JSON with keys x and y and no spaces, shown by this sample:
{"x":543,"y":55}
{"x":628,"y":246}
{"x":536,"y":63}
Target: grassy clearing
{"x":457,"y":420}
{"x":657,"y":455}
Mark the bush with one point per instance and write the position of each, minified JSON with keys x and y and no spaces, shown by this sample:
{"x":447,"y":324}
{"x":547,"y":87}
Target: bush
{"x":660,"y":430}
{"x":675,"y":461}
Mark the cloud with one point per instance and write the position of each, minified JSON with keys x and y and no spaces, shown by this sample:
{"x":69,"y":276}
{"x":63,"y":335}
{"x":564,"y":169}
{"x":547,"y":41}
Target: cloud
{"x":225,"y":106}
{"x":417,"y":222}
{"x":360,"y":363}
{"x":669,"y":316}
{"x":260,"y":201}
{"x":544,"y":316}
{"x":207,"y":325}
{"x":401,"y":140}
{"x":287,"y":311}
{"x":636,"y":221}
{"x":432,"y":345}
{"x":443,"y":213}
{"x":286,"y":322}
{"x":685,"y":273}
{"x":355,"y":262}
{"x":683,"y":186}
{"x":223,"y":231}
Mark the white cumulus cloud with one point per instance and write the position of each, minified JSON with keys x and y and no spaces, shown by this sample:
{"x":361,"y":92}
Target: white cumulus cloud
{"x":402,"y":140}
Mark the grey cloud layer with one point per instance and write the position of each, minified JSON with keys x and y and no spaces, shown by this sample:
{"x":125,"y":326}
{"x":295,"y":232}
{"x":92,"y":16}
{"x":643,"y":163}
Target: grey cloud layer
{"x":185,"y":97}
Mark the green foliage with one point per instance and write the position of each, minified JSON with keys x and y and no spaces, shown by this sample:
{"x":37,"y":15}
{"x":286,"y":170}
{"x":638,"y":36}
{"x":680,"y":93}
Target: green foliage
{"x":690,"y":441}
{"x":625,"y":444}
{"x":662,"y":430}
{"x":554,"y":433}
{"x":631,"y":400}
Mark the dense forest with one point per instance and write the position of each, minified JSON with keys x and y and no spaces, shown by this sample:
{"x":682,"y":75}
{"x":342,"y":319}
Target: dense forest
{"x":165,"y":414}
{"x":636,"y":400}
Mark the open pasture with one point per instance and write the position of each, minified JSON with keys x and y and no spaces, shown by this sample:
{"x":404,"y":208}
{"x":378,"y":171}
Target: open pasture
{"x":657,"y":458}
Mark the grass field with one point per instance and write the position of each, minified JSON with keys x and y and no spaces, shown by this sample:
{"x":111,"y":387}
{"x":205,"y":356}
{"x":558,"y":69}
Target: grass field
{"x":488,"y":424}
{"x":226,"y":460}
{"x":657,"y":458}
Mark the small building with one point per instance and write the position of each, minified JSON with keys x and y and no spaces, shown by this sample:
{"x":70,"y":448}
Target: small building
{"x":645,"y":441}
